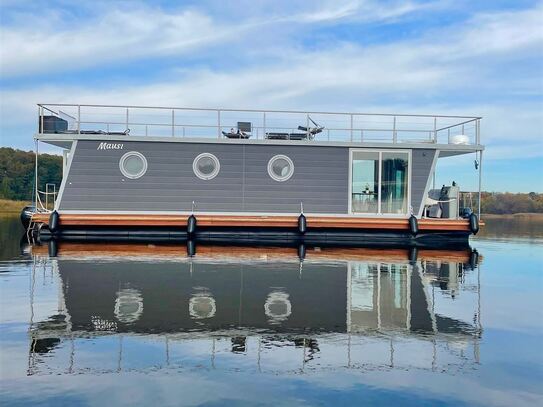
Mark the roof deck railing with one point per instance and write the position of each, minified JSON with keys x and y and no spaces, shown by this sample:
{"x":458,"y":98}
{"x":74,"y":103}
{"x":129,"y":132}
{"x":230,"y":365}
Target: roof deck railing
{"x":114,"y":120}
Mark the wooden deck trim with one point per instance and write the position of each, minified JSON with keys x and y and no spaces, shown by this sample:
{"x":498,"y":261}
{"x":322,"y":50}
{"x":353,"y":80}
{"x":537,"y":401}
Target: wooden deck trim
{"x":255,"y":221}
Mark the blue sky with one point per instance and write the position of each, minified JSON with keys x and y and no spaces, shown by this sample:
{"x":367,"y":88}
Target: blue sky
{"x":439,"y":57}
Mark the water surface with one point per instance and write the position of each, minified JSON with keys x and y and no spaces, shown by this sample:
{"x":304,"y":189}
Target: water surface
{"x":124,"y":324}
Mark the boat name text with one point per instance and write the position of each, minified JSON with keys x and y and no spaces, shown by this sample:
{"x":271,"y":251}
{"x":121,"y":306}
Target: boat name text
{"x":110,"y":146}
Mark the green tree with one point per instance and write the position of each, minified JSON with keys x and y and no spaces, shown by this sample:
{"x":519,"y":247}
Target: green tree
{"x":17,"y":172}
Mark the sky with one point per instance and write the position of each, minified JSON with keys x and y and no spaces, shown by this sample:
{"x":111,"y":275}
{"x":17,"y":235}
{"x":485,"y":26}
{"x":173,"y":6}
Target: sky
{"x":474,"y":58}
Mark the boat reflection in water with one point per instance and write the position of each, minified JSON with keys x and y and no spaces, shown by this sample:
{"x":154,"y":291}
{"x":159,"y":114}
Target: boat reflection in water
{"x":146,"y":307}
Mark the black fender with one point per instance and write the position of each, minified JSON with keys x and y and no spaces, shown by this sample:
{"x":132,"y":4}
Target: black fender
{"x":191,"y":247}
{"x":52,"y":248}
{"x":473,"y":259}
{"x":54,"y":221}
{"x":302,"y":251}
{"x":413,"y":225}
{"x":302,"y":224}
{"x":473,"y":223}
{"x":413,"y":254}
{"x":191,"y":225}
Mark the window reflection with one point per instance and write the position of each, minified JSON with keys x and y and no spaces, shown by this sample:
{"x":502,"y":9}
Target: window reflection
{"x":362,"y":287}
{"x":128,"y":305}
{"x":202,"y":304}
{"x":379,"y":296}
{"x":277,"y":307}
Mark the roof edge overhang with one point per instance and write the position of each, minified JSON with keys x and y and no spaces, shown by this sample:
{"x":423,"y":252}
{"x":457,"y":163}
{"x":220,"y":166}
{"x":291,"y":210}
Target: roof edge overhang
{"x":65,"y":141}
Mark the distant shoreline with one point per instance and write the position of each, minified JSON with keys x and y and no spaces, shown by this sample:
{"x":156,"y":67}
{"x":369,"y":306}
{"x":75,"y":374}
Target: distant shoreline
{"x":8,"y":206}
{"x":523,"y":216}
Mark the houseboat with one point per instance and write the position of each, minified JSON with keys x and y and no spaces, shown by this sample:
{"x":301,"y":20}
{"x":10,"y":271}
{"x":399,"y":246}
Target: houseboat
{"x":163,"y":173}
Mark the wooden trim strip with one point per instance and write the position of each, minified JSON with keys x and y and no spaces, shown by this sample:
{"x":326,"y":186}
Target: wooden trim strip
{"x":255,"y":221}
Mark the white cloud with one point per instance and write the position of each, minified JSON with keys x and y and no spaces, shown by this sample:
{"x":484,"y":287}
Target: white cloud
{"x":411,"y":76}
{"x":363,"y":11}
{"x":117,"y":35}
{"x":334,"y":12}
{"x":503,"y":32}
{"x":59,"y":41}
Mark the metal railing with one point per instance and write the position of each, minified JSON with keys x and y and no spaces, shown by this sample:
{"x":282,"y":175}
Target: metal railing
{"x":49,"y":196}
{"x":214,"y":123}
{"x":469,"y":199}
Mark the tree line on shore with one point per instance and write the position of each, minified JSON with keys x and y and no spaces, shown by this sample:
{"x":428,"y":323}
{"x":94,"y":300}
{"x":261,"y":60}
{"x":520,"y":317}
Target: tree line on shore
{"x":17,"y":183}
{"x":17,"y":173}
{"x":508,"y":203}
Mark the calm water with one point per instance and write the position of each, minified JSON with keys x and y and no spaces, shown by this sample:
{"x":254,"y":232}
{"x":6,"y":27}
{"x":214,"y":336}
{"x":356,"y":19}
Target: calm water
{"x":117,"y":324}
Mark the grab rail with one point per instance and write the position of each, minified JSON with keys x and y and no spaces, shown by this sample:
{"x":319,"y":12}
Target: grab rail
{"x":50,"y":190}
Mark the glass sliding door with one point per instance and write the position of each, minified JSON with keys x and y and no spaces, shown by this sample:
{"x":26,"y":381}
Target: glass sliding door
{"x":380,"y":182}
{"x":394,"y":174}
{"x":365,"y":182}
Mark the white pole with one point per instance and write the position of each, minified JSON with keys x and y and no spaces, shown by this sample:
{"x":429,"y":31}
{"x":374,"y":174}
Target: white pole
{"x":351,"y":128}
{"x":173,"y":123}
{"x":264,"y":125}
{"x":480,"y":182}
{"x":36,"y":176}
{"x":218,"y":123}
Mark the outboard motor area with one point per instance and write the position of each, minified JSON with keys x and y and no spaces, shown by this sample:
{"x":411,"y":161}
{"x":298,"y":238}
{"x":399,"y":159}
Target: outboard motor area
{"x":448,"y":203}
{"x":443,"y":202}
{"x":26,"y":215}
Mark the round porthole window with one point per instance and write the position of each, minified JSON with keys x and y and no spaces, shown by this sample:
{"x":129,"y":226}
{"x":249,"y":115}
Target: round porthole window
{"x":280,"y":168}
{"x":206,"y":166}
{"x":133,"y":165}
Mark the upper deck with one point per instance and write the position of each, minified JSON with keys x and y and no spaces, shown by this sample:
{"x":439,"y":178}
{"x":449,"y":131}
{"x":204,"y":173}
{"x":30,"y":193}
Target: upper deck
{"x":61,"y":123}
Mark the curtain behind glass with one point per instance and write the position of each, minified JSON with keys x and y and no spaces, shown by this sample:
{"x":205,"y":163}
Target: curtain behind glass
{"x":394,"y":182}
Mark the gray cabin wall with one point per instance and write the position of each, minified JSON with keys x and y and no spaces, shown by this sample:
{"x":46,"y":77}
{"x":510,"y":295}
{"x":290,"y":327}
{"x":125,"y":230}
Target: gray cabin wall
{"x":320,"y":180}
{"x":95,"y":182}
{"x":420,"y":175}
